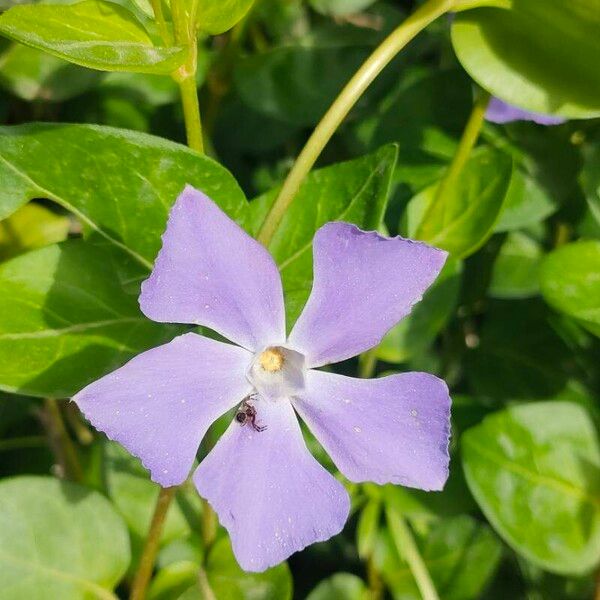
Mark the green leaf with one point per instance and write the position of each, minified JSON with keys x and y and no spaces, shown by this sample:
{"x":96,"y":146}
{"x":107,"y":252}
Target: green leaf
{"x":570,"y":282}
{"x":69,"y":314}
{"x":516,"y":270}
{"x":69,"y":165}
{"x":416,"y":332}
{"x":460,"y":554}
{"x":355,"y":191}
{"x":341,"y":586}
{"x":134,"y":495}
{"x":94,"y":33}
{"x":463,"y":220}
{"x":590,"y":178}
{"x":366,"y":530}
{"x":541,"y":55}
{"x":534,"y":469}
{"x":32,"y":226}
{"x":340,"y":7}
{"x":518,"y":354}
{"x":228,"y":582}
{"x":217,"y":16}
{"x":34,"y":75}
{"x":59,"y":540}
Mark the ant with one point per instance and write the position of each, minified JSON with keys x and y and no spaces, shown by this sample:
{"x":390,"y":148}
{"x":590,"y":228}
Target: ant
{"x":246,"y":413}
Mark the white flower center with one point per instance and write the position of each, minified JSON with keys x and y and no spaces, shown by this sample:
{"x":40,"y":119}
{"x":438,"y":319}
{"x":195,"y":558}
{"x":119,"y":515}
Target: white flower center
{"x":277,"y":372}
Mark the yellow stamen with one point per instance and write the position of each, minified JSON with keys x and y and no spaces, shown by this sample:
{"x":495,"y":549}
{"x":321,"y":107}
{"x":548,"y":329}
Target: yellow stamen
{"x":271,"y":360}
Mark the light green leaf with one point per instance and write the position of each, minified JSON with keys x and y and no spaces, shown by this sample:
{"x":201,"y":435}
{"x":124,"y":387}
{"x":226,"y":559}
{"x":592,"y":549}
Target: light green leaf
{"x":59,"y":540}
{"x":463,"y":220}
{"x":94,"y":33}
{"x":570,"y":282}
{"x":341,"y":586}
{"x":516,"y":269}
{"x":67,"y":317}
{"x":217,"y":16}
{"x":32,"y":226}
{"x":355,"y":191}
{"x":35,"y":75}
{"x":541,"y":55}
{"x":534,"y":469}
{"x":69,"y":165}
{"x":340,"y":7}
{"x":366,"y":530}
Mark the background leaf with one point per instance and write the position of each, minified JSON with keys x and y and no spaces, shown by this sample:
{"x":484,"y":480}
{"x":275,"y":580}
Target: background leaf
{"x":217,"y":16}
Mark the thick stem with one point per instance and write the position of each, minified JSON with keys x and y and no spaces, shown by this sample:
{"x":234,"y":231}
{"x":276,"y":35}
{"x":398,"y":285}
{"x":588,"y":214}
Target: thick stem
{"x":60,"y":441}
{"x":146,"y":565}
{"x":348,"y":97}
{"x":407,"y":548}
{"x":463,"y":152}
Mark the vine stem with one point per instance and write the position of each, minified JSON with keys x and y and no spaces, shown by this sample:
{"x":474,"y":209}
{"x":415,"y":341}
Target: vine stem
{"x":459,"y":160}
{"x":342,"y":105}
{"x":146,"y":565}
{"x":407,"y":548}
{"x":159,"y":17}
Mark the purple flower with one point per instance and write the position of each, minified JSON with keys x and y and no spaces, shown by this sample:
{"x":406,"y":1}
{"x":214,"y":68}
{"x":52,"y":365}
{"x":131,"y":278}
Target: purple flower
{"x":273,"y":497}
{"x":500,"y":112}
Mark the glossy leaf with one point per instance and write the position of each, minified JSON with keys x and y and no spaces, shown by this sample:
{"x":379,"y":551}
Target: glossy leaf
{"x":69,"y":165}
{"x":59,"y":540}
{"x":94,"y":33}
{"x":570,"y":282}
{"x":540,"y":55}
{"x":341,"y":586}
{"x":69,"y":314}
{"x":217,"y":16}
{"x":534,"y":469}
{"x":355,"y":191}
{"x":32,"y":226}
{"x":464,"y":219}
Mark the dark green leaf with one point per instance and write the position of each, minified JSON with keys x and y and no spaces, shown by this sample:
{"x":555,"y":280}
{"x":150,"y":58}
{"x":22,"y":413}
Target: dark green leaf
{"x":541,"y":55}
{"x":59,"y":540}
{"x":534,"y":469}
{"x":66,"y":318}
{"x":94,"y":33}
{"x":341,"y":586}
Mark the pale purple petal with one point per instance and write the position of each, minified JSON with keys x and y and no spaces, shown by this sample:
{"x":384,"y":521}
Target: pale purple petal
{"x":160,"y":404}
{"x":364,"y":284}
{"x":389,"y":430}
{"x":273,"y":497}
{"x":211,"y":272}
{"x":501,"y":112}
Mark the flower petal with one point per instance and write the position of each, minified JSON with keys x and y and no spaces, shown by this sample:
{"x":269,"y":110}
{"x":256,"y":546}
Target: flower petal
{"x":389,"y":430}
{"x":363,"y":285}
{"x":273,"y":497}
{"x":501,"y":112}
{"x":211,"y":272}
{"x":160,"y":404}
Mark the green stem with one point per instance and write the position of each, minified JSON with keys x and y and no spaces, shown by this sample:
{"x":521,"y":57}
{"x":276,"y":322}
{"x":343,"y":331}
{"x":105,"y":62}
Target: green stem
{"x":28,"y":441}
{"x":348,"y":97}
{"x":191,"y":113}
{"x":159,"y":17}
{"x":367,"y":363}
{"x":60,"y":441}
{"x":463,"y":152}
{"x":146,"y":564}
{"x":407,"y":548}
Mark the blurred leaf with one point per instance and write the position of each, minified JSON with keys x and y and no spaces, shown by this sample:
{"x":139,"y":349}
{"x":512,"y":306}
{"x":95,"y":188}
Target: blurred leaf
{"x":590,"y":179}
{"x":341,"y":586}
{"x":340,"y":7}
{"x":519,"y":356}
{"x":69,"y":164}
{"x":508,"y":52}
{"x":94,"y":33}
{"x":36,"y":76}
{"x":152,"y":90}
{"x":516,"y":270}
{"x":460,"y":554}
{"x":59,"y":540}
{"x":534,"y":469}
{"x":570,"y":282}
{"x":355,"y":191}
{"x":366,"y":530}
{"x":134,"y":495}
{"x":229,"y":582}
{"x":417,"y":331}
{"x":174,"y":580}
{"x":32,"y":226}
{"x":463,"y":220}
{"x":217,"y":16}
{"x":66,"y":319}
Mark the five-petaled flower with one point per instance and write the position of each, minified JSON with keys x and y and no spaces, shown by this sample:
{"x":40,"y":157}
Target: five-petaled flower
{"x":269,"y":492}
